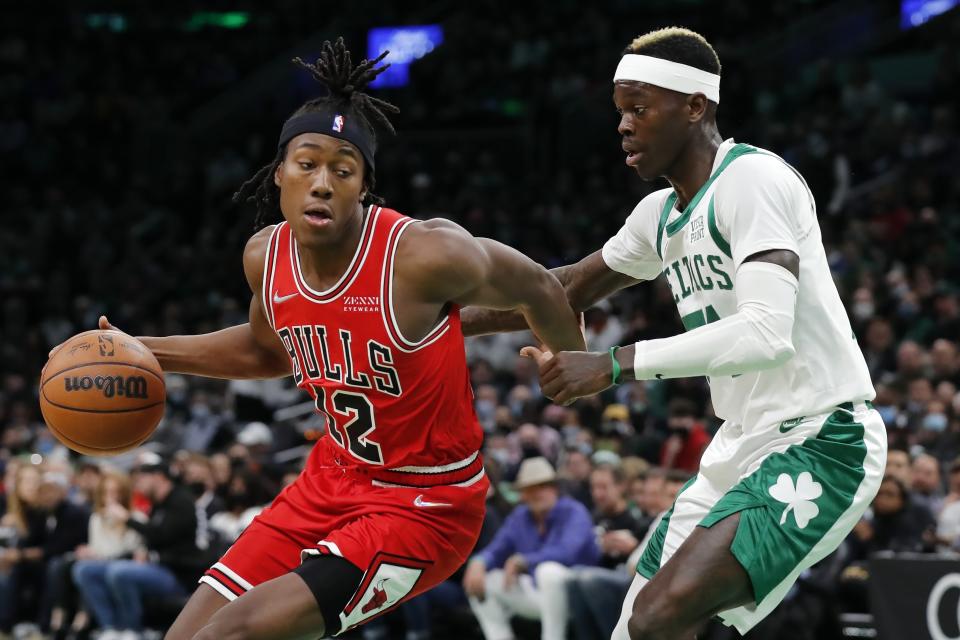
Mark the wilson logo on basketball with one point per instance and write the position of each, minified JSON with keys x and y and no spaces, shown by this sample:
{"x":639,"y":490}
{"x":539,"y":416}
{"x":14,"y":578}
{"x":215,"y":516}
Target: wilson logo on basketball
{"x":129,"y":386}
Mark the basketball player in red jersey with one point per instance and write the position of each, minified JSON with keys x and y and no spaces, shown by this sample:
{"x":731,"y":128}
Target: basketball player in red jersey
{"x":362,"y":303}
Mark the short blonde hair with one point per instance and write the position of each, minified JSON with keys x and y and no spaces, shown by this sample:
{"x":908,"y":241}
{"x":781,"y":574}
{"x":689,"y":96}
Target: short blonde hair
{"x":677,"y":44}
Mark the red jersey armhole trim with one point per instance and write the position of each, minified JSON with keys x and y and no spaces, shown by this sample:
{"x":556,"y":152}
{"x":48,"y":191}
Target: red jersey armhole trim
{"x":386,"y":296}
{"x":269,"y":270}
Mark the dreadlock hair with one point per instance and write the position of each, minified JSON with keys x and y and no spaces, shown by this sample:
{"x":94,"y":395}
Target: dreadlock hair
{"x":677,"y":45}
{"x":344,"y":83}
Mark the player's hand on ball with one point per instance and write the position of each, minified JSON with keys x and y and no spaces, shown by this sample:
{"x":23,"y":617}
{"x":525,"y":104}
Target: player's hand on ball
{"x":103,"y":324}
{"x":569,"y":375}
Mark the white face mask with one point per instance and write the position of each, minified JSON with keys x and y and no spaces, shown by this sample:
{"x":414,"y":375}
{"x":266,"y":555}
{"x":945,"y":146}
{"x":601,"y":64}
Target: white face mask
{"x":863,"y":310}
{"x":935,"y":422}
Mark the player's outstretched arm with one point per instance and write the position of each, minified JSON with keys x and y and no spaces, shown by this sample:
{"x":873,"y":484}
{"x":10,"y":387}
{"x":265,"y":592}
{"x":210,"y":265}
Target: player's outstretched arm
{"x":757,"y":337}
{"x":585,"y":283}
{"x":247,"y":351}
{"x":450,"y":265}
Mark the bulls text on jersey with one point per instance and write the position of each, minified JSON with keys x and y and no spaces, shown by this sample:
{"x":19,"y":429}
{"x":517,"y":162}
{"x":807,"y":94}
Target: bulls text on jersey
{"x":319,"y":355}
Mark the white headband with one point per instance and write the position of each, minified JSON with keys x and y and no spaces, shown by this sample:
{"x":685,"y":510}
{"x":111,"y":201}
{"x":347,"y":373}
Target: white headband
{"x":669,"y":75}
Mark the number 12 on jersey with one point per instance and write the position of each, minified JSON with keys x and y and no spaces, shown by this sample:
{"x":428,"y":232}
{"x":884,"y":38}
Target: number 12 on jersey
{"x":350,"y":421}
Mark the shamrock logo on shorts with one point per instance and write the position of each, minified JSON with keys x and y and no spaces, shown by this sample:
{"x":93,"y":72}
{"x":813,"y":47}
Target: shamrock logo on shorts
{"x":799,"y":498}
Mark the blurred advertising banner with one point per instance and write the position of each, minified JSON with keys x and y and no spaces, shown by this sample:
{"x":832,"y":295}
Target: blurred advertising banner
{"x":916,"y":597}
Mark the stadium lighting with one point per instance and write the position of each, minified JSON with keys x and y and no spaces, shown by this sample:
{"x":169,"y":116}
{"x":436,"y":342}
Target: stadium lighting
{"x":405,"y":44}
{"x":914,"y":13}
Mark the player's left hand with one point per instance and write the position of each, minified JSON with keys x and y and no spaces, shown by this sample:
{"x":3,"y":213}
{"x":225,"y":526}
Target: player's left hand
{"x":569,"y":375}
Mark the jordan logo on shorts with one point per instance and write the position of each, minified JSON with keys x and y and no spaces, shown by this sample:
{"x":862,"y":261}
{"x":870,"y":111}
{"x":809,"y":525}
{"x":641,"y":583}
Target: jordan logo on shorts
{"x":377,"y":600}
{"x":799,"y":498}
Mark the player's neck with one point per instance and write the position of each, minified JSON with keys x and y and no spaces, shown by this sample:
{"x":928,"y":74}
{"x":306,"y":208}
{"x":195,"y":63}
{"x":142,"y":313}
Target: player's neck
{"x":322,"y":267}
{"x":695,"y":164}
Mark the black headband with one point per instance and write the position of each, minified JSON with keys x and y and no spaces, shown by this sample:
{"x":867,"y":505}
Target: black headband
{"x":334,"y":124}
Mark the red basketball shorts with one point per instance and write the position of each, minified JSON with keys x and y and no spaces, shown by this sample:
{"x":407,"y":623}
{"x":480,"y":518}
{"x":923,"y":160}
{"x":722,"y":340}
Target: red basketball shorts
{"x":405,"y":540}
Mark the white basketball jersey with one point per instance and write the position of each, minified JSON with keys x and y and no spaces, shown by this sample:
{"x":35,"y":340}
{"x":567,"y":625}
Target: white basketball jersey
{"x":753,"y":202}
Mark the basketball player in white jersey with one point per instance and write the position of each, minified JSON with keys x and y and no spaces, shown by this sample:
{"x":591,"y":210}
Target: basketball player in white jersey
{"x":801,"y":452}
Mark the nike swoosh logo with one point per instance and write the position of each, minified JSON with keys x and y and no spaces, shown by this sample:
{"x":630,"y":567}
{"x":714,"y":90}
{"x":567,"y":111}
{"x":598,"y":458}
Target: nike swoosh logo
{"x":787,"y":425}
{"x":420,"y":502}
{"x":277,"y":299}
{"x":659,"y":376}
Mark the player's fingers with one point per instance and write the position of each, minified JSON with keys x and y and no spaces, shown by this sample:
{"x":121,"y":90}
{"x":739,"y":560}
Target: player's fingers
{"x":549,"y":375}
{"x":550,"y":389}
{"x":105,"y":324}
{"x":531,"y":352}
{"x":548,"y":364}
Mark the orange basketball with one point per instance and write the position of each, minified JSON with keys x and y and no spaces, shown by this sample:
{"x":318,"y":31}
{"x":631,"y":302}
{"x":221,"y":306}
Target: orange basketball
{"x":102,"y":393}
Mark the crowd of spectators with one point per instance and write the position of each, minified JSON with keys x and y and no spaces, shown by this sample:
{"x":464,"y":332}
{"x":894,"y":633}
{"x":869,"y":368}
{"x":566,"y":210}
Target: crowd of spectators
{"x":95,"y":547}
{"x":110,"y":208}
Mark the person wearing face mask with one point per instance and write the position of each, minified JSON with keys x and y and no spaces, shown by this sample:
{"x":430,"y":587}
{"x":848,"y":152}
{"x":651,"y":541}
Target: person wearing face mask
{"x":246,"y":497}
{"x":932,"y":427}
{"x":204,"y":427}
{"x":198,"y":478}
{"x":862,"y":308}
{"x":485,"y":406}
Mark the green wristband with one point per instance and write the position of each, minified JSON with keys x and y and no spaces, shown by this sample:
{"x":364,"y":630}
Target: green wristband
{"x":616,"y":365}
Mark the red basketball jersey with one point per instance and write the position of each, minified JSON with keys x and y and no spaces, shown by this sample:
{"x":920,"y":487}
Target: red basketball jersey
{"x":400,"y":410}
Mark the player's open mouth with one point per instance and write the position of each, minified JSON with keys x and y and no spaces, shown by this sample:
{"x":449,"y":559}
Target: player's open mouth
{"x":633,"y":155}
{"x":318,"y":217}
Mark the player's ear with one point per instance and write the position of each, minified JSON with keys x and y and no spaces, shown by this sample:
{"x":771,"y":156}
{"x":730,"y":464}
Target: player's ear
{"x":697,"y":106}
{"x":277,"y":174}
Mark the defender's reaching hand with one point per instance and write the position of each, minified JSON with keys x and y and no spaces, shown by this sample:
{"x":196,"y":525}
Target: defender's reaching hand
{"x":569,"y":375}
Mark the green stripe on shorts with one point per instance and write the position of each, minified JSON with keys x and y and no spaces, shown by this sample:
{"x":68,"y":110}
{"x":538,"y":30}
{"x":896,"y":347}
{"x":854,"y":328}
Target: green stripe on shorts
{"x":792,"y":500}
{"x":649,"y":562}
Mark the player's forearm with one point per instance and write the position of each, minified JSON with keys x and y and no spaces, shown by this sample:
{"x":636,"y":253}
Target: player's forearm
{"x":231,"y":353}
{"x":477,"y":321}
{"x":757,"y":337}
{"x":548,"y":313}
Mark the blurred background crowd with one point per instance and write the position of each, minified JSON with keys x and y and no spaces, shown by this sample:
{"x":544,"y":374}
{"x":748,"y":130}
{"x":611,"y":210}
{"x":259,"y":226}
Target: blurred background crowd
{"x":125,"y":128}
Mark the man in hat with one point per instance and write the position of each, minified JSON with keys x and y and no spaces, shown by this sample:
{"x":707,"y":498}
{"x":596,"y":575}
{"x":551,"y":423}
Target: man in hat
{"x":524,"y":569}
